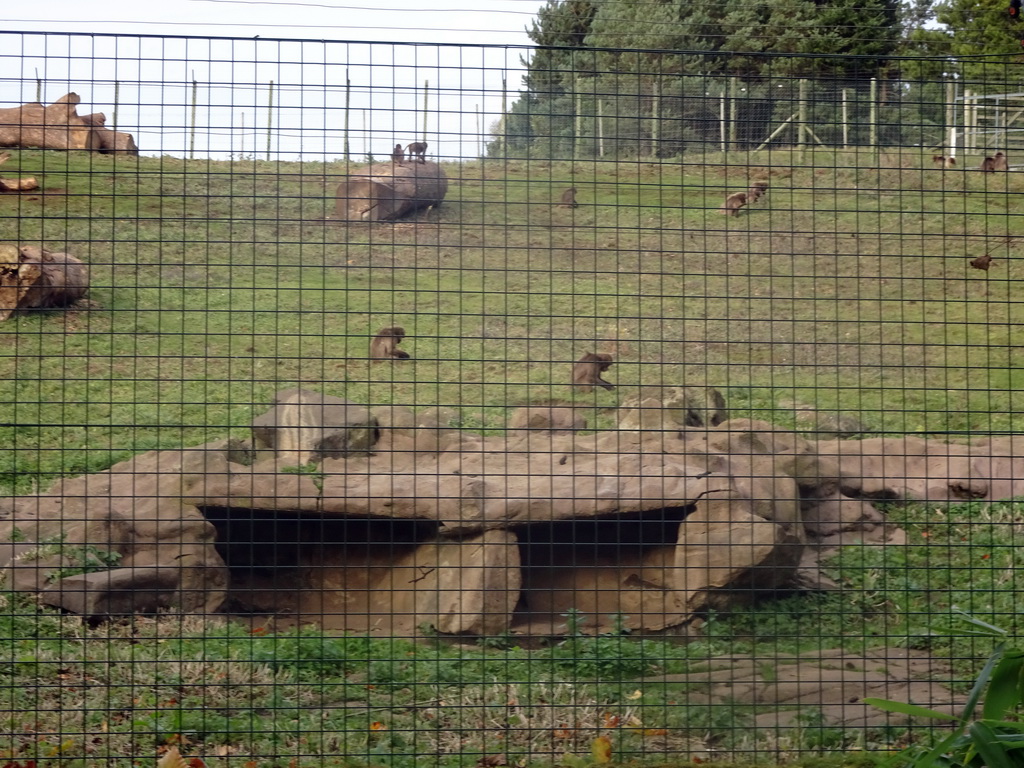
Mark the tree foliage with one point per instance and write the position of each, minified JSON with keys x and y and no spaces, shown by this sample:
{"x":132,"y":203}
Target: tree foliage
{"x":655,"y":75}
{"x":981,"y":36}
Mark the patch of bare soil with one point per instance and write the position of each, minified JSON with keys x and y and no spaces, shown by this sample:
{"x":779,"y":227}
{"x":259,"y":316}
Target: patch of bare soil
{"x":833,"y":683}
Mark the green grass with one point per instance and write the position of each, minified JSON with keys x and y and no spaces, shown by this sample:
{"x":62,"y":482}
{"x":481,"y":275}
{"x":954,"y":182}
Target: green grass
{"x":214,"y":284}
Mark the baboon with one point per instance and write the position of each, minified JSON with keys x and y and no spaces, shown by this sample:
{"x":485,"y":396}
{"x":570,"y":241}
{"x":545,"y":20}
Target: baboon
{"x":757,"y":190}
{"x":417,"y":150}
{"x":586,"y":372}
{"x":733,"y":203}
{"x":995,"y":163}
{"x":385,"y":345}
{"x":569,"y":199}
{"x":944,"y":161}
{"x":397,"y":155}
{"x":982,"y":262}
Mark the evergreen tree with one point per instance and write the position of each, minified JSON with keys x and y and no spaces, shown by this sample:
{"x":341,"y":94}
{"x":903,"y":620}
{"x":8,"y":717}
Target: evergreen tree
{"x":559,"y":24}
{"x":978,"y":29}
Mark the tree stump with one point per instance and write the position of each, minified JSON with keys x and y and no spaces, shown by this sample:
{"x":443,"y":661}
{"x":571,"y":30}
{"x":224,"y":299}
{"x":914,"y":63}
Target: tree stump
{"x":388,"y":191}
{"x":32,"y":278}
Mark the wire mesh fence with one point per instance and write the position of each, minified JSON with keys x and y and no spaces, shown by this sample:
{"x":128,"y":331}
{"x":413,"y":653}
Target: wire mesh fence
{"x":378,"y":404}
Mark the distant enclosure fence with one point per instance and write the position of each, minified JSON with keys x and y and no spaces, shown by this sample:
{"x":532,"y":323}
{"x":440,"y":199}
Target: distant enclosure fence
{"x":408,"y":405}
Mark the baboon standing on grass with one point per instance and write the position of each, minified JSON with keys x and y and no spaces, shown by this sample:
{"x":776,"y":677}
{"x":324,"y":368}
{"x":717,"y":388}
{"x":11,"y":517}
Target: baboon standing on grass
{"x":995,"y":163}
{"x":757,"y":190}
{"x":586,"y":372}
{"x":733,"y":203}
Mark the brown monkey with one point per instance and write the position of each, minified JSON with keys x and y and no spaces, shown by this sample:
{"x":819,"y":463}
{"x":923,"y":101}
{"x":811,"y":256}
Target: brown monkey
{"x":733,"y":203}
{"x":385,"y":345}
{"x":944,"y":161}
{"x":995,"y":163}
{"x":417,"y":150}
{"x":569,"y":199}
{"x":397,"y":155}
{"x":982,"y":262}
{"x":757,"y":190}
{"x":586,"y":372}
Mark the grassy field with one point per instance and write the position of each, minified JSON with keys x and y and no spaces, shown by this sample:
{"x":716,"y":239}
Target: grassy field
{"x":214,"y":284}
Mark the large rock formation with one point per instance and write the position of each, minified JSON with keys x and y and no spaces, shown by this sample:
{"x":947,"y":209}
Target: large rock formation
{"x":388,"y":520}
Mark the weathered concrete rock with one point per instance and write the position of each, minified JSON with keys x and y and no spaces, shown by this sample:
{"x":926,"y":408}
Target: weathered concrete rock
{"x":747,"y":436}
{"x":915,"y":468}
{"x":460,"y":586}
{"x":726,"y":556}
{"x":546,"y":419}
{"x":673,"y":408}
{"x":305,"y":426}
{"x":831,"y":513}
{"x":132,"y":514}
{"x":117,"y":592}
{"x":472,"y":534}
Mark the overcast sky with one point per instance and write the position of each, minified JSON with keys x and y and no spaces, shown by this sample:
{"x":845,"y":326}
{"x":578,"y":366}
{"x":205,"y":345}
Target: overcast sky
{"x":150,"y":81}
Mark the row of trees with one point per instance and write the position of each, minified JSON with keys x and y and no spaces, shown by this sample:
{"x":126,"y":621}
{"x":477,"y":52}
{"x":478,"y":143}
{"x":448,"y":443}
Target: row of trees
{"x":653,"y":76}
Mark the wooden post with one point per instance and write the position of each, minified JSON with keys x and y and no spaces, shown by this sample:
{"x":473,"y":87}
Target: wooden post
{"x":117,"y":98}
{"x":192,"y":125}
{"x":502,"y":136}
{"x":241,"y":155}
{"x":39,"y":87}
{"x":733,"y":90}
{"x":801,"y":126}
{"x":578,"y":119}
{"x":721,"y":120}
{"x":967,"y":120}
{"x":656,"y":117}
{"x":270,"y":115}
{"x":777,"y":131}
{"x":479,"y":131}
{"x":600,"y":129}
{"x":846,"y":119}
{"x":951,"y":113}
{"x":426,"y":96}
{"x":348,"y":101}
{"x":873,"y":118}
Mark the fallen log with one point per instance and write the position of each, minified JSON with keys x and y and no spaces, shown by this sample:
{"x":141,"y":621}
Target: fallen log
{"x":388,"y":191}
{"x":59,"y":126}
{"x":19,"y":185}
{"x":106,"y":141}
{"x":33,"y":278}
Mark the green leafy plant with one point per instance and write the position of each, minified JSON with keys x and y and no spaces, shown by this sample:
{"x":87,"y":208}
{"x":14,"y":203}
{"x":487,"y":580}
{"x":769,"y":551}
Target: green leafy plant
{"x":996,"y":739}
{"x":84,"y":559}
